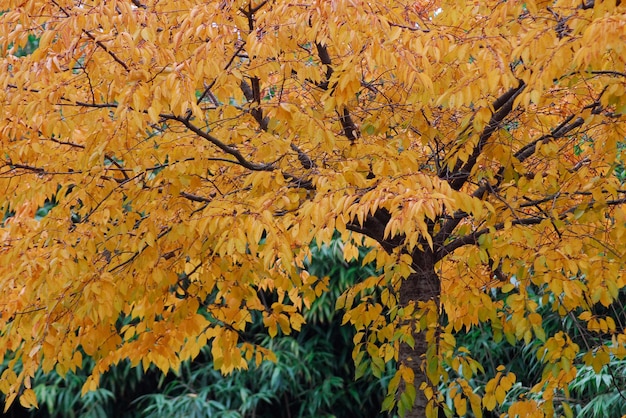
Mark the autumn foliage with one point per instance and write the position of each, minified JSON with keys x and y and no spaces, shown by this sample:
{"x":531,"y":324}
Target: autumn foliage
{"x":192,"y":152}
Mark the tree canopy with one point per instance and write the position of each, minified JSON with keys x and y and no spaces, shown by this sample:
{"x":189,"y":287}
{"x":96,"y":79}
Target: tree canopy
{"x":187,"y":154}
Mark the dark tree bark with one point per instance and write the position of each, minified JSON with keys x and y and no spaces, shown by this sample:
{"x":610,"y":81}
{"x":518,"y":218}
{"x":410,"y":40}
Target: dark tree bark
{"x":421,"y":286}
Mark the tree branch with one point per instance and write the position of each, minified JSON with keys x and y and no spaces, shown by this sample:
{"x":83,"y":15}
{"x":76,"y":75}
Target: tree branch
{"x":473,"y":237}
{"x":374,"y":227}
{"x":524,"y":153}
{"x":324,"y":56}
{"x":196,"y":198}
{"x":226,"y":148}
{"x":139,"y":4}
{"x":138,"y":252}
{"x":98,"y":43}
{"x":253,"y":95}
{"x":71,"y":144}
{"x":70,"y":102}
{"x":609,"y":72}
{"x":299,"y":182}
{"x":304,"y":159}
{"x":502,"y":107}
{"x":228,"y":64}
{"x":104,"y":47}
{"x":36,"y":170}
{"x":349,"y":128}
{"x":563,"y":129}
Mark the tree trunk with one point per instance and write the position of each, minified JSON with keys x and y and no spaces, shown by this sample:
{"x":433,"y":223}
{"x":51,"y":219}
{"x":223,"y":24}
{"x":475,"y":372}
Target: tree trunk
{"x":421,"y":286}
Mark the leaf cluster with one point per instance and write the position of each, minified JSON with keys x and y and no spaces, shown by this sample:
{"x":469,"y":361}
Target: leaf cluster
{"x":311,"y":377}
{"x":596,"y":389}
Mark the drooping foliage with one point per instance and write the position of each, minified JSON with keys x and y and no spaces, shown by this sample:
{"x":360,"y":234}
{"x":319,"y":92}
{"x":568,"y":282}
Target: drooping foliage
{"x":312,"y":377}
{"x":193,"y":150}
{"x":596,"y":389}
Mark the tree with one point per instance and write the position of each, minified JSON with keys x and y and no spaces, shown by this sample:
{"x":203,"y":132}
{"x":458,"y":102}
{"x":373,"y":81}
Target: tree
{"x":193,"y":150}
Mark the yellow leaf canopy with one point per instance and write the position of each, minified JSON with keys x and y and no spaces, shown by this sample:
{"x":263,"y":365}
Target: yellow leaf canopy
{"x":193,"y":150}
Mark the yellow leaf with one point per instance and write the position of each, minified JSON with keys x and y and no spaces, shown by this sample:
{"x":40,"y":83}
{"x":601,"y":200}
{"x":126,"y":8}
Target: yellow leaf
{"x":28,"y":399}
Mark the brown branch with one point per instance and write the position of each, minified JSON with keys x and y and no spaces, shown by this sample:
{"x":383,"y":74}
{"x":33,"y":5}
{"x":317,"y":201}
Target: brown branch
{"x":374,"y":227}
{"x":138,"y":252}
{"x":196,"y":198}
{"x":70,"y":102}
{"x":139,"y":4}
{"x":252,"y":10}
{"x":502,"y":107}
{"x":306,"y":184}
{"x":253,"y":95}
{"x":160,"y":166}
{"x":534,"y":203}
{"x":524,"y":153}
{"x":91,"y":105}
{"x":37,"y":170}
{"x":299,"y":182}
{"x":324,"y":56}
{"x":563,"y":129}
{"x":99,"y":43}
{"x":304,"y":159}
{"x":589,"y":4}
{"x":348,"y":127}
{"x":241,"y":160}
{"x":554,"y":196}
{"x":473,"y":237}
{"x":412,"y":29}
{"x":609,"y":72}
{"x":116,"y":164}
{"x":252,"y":91}
{"x":120,"y":183}
{"x":115,"y":179}
{"x":26,"y":312}
{"x":72,"y":144}
{"x":228,"y":64}
{"x":104,"y":47}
